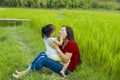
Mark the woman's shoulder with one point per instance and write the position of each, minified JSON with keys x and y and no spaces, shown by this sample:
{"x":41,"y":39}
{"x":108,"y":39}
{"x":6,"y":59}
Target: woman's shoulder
{"x":71,"y":42}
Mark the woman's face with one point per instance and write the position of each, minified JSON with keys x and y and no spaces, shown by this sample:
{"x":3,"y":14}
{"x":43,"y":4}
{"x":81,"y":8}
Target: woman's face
{"x":63,"y":32}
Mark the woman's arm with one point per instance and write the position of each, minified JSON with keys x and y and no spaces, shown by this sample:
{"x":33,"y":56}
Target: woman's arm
{"x":65,"y":57}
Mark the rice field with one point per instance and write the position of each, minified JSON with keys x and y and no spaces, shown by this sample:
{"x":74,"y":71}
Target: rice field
{"x":97,"y":34}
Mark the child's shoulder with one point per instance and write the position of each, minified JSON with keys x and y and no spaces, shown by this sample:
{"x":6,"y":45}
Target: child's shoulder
{"x":52,"y":39}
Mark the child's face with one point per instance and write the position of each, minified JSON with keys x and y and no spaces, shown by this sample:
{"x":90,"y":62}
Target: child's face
{"x":52,"y":34}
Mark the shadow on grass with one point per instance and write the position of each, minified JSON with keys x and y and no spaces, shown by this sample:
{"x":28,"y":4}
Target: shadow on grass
{"x":3,"y":38}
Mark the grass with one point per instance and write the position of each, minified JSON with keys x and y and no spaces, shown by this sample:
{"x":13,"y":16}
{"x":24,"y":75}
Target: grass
{"x":96,"y":33}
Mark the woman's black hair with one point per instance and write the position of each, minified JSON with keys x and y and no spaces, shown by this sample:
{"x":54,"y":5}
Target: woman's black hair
{"x":70,"y":34}
{"x":46,"y":30}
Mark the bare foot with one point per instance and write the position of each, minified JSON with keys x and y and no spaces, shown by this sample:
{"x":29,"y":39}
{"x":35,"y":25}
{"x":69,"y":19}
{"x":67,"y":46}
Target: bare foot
{"x":62,"y":73}
{"x":18,"y":75}
{"x":15,"y":76}
{"x":17,"y":72}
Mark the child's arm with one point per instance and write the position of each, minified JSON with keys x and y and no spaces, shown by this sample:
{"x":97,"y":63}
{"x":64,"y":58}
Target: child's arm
{"x":59,"y":42}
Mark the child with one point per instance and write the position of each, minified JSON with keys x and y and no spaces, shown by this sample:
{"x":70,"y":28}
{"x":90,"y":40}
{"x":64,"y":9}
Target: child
{"x":47,"y":35}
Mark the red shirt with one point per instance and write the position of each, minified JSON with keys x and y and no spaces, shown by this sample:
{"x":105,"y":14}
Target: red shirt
{"x":72,"y":48}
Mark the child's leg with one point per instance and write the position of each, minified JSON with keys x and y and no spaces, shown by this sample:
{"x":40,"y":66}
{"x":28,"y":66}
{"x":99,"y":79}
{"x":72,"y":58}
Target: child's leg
{"x":65,"y":65}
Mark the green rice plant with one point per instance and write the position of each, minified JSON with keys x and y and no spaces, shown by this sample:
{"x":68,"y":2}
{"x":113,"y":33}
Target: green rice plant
{"x":96,"y":33}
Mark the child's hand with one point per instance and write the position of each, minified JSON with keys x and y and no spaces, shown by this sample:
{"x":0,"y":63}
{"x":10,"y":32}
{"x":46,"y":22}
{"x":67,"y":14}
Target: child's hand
{"x":60,"y":36}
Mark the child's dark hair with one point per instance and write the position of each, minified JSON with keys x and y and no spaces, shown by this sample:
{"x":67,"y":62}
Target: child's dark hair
{"x":46,"y":30}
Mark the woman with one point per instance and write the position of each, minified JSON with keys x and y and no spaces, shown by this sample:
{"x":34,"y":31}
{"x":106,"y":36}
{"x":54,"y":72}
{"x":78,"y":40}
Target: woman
{"x":48,"y":37}
{"x":68,"y":51}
